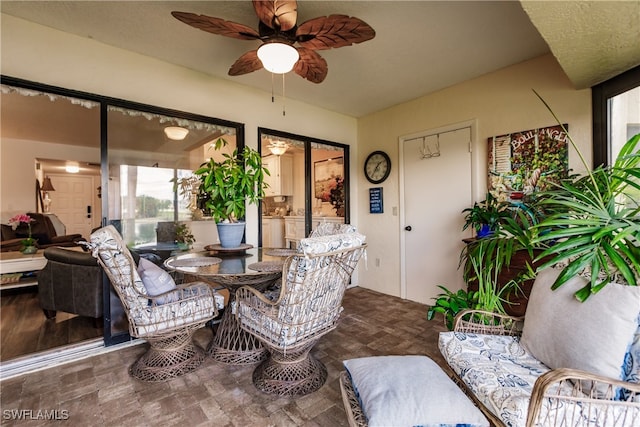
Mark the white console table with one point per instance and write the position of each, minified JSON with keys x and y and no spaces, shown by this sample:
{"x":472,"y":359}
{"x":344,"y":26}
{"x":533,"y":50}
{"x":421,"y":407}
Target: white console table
{"x":17,"y":262}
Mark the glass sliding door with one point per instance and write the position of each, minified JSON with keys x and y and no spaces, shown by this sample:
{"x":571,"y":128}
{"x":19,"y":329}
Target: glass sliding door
{"x":149,"y":152}
{"x":308,"y":184}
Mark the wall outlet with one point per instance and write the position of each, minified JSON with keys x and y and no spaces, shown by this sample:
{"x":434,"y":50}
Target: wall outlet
{"x":377,"y":262}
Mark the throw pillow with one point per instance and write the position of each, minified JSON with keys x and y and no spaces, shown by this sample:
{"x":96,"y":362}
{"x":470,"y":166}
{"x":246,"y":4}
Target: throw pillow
{"x":593,"y":336}
{"x":410,"y":391}
{"x":156,"y":281}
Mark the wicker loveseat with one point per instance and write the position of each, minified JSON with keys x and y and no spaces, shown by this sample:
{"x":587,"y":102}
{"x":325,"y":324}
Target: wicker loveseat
{"x":565,"y":363}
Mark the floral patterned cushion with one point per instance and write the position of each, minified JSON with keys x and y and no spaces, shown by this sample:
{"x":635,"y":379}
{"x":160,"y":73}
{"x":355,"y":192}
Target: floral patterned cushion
{"x":497,"y":369}
{"x":501,"y":374}
{"x":631,"y":365}
{"x":328,"y":228}
{"x":332,"y":242}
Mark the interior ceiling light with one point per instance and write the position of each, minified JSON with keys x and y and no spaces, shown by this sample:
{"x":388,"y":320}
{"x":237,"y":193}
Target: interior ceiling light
{"x":176,"y":133}
{"x":72,"y":167}
{"x":278,"y":147}
{"x":278,"y":58}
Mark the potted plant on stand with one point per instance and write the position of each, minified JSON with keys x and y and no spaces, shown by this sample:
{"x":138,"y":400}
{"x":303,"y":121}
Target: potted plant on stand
{"x":226,"y":186}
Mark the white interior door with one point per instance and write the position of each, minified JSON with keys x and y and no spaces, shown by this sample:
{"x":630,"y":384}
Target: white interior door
{"x":73,"y":196}
{"x":434,"y":191}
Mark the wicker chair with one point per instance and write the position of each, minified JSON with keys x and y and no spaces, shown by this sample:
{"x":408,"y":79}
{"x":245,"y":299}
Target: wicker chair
{"x":166,"y":321}
{"x":308,"y":306}
{"x":578,"y":391}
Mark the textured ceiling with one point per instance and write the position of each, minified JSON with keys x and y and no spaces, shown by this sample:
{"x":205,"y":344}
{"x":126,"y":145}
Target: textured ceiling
{"x":592,"y":40}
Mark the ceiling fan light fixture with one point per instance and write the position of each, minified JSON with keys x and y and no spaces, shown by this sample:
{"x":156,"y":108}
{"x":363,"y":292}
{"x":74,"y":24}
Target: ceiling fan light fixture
{"x":176,"y":133}
{"x":277,"y":57}
{"x":278,"y":148}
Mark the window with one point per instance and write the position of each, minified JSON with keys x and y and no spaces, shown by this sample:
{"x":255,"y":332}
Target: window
{"x":616,"y":114}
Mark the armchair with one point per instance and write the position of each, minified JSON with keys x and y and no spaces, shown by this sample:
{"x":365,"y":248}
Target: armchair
{"x":167,"y":320}
{"x":71,"y":281}
{"x":308,"y":307}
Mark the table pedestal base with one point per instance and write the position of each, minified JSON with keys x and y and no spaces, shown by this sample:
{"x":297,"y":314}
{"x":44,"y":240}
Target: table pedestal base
{"x":234,"y":346}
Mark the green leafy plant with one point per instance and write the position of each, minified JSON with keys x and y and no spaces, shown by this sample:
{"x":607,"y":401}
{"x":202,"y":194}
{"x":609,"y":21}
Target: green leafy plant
{"x":227,"y":186}
{"x":184,"y":235}
{"x":593,"y":222}
{"x":449,"y":304}
{"x":485,"y":265}
{"x":486,"y":216}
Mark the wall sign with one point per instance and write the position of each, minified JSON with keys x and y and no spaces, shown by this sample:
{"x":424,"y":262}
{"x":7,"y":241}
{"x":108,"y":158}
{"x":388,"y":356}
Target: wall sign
{"x":375,"y":200}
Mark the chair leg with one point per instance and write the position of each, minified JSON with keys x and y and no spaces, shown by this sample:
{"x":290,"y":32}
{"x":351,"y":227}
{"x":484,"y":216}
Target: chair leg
{"x":291,"y":373}
{"x":168,"y":357}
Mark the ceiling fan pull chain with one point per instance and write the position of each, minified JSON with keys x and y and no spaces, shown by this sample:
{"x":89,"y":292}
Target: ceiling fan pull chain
{"x":273,"y":98}
{"x":284,"y":98}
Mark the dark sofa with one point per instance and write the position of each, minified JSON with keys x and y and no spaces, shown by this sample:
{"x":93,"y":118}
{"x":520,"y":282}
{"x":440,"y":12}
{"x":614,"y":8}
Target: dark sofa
{"x":42,"y":230}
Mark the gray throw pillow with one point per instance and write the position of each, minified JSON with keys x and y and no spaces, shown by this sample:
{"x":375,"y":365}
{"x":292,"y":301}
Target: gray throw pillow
{"x":410,"y":391}
{"x":156,"y":281}
{"x":593,"y":336}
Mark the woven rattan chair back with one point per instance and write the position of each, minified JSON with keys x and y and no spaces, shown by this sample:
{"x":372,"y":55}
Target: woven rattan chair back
{"x":166,"y":321}
{"x":308,"y":307}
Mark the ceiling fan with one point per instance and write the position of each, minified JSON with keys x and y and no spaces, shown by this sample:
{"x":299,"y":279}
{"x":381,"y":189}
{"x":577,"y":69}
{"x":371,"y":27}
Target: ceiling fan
{"x":277,"y":29}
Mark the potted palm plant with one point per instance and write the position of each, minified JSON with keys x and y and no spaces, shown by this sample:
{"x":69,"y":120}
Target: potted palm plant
{"x":593,"y":223}
{"x":227,"y":185}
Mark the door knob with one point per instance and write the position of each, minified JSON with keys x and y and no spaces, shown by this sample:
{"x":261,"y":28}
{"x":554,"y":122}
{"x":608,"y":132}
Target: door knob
{"x":408,"y":228}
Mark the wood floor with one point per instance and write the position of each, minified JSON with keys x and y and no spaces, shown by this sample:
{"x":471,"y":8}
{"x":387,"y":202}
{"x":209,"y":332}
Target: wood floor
{"x":25,"y":330}
{"x":99,"y":391}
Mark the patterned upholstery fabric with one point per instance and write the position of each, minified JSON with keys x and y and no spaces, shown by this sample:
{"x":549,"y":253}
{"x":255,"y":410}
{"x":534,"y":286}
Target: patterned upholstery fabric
{"x":631,"y":365}
{"x":331,"y":242}
{"x":328,"y":228}
{"x":192,"y":303}
{"x":310,"y":301}
{"x":501,"y":374}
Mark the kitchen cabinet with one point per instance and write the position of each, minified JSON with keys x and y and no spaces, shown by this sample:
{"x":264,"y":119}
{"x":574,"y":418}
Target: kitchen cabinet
{"x":294,"y":227}
{"x":273,"y":232}
{"x":281,"y":179}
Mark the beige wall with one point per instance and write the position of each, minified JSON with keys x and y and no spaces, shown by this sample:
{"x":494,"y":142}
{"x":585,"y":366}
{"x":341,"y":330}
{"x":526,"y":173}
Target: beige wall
{"x":37,"y":53}
{"x":500,"y":102}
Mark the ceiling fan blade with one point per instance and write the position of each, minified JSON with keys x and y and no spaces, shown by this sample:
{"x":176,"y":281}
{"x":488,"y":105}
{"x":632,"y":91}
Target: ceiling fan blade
{"x":311,"y":65}
{"x":217,"y":26}
{"x":333,"y":31}
{"x":247,"y":63}
{"x":279,"y":15}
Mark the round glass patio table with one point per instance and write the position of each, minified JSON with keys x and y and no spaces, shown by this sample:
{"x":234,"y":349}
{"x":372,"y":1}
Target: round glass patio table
{"x":256,"y":267}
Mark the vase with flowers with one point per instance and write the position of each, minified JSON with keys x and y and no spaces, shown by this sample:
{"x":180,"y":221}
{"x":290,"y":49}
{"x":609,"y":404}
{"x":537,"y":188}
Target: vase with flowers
{"x":336,"y":196}
{"x":28,"y":244}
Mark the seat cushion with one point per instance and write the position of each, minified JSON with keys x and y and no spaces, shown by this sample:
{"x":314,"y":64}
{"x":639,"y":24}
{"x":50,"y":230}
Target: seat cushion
{"x":497,"y":369}
{"x":409,"y":391}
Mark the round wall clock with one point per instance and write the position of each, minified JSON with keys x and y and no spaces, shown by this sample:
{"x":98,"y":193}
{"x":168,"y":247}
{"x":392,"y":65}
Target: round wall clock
{"x":377,"y":167}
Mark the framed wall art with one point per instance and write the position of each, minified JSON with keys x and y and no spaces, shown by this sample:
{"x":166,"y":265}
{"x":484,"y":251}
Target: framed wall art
{"x":326,"y":176}
{"x":521,"y":163}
